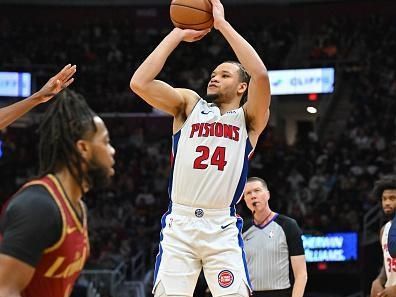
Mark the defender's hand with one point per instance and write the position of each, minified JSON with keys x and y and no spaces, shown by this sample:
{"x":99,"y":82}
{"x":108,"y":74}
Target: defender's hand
{"x":57,"y":83}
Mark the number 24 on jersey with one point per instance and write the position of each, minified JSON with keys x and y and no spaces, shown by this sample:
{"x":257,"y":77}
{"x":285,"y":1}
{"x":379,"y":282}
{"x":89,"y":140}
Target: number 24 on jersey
{"x":216,"y":159}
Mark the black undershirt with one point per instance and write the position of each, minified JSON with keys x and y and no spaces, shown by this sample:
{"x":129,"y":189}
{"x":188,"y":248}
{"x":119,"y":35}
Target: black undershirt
{"x":31,"y":223}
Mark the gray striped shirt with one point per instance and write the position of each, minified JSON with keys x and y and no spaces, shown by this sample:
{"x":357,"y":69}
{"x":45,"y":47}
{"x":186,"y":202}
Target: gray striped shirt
{"x":268,"y":250}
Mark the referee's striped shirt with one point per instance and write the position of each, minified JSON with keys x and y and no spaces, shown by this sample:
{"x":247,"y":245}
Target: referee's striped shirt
{"x":268,"y":249}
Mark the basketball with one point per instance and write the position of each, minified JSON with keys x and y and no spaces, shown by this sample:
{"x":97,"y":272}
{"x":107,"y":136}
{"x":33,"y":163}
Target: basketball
{"x":191,"y":14}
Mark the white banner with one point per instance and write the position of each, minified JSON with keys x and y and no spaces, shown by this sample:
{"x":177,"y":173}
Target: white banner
{"x":15,"y":84}
{"x":301,"y":81}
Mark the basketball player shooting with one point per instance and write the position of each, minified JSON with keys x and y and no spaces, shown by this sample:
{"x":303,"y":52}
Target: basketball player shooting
{"x":212,"y":141}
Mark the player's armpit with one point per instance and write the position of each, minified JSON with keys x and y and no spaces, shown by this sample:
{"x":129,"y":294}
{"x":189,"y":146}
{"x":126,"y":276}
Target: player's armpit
{"x":15,"y":275}
{"x":258,"y":101}
{"x":255,"y":129}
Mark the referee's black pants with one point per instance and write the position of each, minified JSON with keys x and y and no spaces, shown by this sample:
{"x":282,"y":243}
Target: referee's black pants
{"x":273,"y":293}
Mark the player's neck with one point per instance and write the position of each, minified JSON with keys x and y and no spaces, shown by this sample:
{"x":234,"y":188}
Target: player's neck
{"x":263,"y":217}
{"x":70,"y":186}
{"x":228,"y":106}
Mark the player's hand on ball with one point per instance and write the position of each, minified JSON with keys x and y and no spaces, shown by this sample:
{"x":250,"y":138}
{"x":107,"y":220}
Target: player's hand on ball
{"x":190,"y":35}
{"x":218,"y":13}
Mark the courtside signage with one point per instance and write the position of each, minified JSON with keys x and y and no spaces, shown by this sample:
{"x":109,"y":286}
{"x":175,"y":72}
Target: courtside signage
{"x":301,"y":81}
{"x":15,"y":84}
{"x":331,"y":247}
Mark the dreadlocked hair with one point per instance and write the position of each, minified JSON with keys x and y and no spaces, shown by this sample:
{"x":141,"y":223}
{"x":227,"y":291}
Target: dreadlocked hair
{"x":243,"y":77}
{"x":67,"y":120}
{"x":388,"y":182}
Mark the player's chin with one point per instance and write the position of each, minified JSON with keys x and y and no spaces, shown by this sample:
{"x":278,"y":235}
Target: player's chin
{"x":211,"y":96}
{"x":210,"y":92}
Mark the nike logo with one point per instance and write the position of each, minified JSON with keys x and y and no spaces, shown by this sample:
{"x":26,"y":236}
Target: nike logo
{"x":207,"y":112}
{"x":70,"y":230}
{"x":223,"y":227}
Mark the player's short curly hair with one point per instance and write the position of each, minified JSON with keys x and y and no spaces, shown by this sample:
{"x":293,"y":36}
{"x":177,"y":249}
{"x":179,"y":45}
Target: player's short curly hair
{"x":387,"y":182}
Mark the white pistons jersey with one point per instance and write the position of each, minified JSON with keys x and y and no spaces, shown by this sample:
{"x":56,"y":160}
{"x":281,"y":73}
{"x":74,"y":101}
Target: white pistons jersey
{"x":210,"y":156}
{"x":389,"y":262}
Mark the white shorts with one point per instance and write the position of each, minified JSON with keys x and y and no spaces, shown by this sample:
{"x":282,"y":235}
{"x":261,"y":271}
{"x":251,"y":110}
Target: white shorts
{"x":195,"y":238}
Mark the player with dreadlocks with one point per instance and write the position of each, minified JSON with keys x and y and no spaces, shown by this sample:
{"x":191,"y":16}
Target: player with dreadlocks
{"x":44,"y":226}
{"x":54,"y":85}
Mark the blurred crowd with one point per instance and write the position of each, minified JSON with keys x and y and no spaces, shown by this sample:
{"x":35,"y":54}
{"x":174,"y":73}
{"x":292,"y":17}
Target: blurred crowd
{"x":107,"y":52}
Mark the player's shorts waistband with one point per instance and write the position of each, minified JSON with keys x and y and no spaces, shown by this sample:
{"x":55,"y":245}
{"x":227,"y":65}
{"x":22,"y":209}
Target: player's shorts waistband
{"x":199,"y":212}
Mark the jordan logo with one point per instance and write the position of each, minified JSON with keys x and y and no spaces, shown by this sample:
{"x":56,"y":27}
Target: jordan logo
{"x":70,"y":230}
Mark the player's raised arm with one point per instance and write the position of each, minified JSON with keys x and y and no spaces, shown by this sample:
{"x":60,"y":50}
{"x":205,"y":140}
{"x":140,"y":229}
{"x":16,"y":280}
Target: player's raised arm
{"x":259,"y":87}
{"x":158,"y":93}
{"x":54,"y":85}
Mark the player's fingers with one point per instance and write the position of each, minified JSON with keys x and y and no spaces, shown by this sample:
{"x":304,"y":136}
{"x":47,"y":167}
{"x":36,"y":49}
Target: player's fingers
{"x":202,"y":34}
{"x":60,"y":74}
{"x":63,"y":73}
{"x":199,"y":38}
{"x":70,"y":73}
{"x":215,"y":2}
{"x":68,"y":83}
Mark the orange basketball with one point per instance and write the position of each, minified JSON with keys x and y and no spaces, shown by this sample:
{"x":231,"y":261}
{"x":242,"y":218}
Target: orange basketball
{"x":191,"y":14}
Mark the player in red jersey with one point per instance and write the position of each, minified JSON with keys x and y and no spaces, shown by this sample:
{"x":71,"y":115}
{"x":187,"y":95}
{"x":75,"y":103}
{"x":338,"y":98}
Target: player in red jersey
{"x":44,"y":225}
{"x":55,"y":84}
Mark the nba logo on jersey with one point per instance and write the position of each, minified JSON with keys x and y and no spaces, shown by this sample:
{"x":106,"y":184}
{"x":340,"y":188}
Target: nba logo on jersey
{"x":226,"y":278}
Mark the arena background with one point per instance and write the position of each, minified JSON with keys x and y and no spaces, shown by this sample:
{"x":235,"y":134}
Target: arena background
{"x":320,"y":167}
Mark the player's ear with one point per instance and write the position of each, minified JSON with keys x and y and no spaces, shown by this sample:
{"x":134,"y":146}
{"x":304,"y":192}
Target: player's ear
{"x":242,"y":87}
{"x":84,"y":148}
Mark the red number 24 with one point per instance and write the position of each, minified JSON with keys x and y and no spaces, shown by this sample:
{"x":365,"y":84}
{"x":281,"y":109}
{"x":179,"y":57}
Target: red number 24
{"x":217,"y":159}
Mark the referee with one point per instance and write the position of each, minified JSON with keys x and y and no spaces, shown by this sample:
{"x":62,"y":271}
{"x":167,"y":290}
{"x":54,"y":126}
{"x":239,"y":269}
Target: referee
{"x":272,"y":243}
